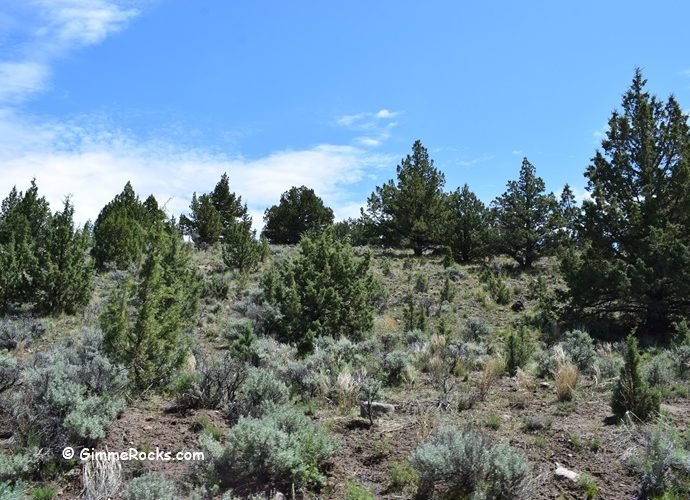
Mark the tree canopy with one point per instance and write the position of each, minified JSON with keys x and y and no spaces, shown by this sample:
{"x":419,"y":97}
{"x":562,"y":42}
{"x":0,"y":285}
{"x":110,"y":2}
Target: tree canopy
{"x":408,"y":213}
{"x":634,"y":270}
{"x":300,"y":210}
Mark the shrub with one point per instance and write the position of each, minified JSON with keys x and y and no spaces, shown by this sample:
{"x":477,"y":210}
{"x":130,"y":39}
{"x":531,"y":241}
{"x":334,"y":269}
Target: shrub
{"x":12,"y":491}
{"x":9,"y":372}
{"x":215,"y":385}
{"x":663,"y":464}
{"x":281,"y":447}
{"x":43,"y":493}
{"x":476,"y":330}
{"x":260,"y":390}
{"x":421,"y":283}
{"x":579,"y":347}
{"x":659,"y":371}
{"x":519,"y":348}
{"x":369,"y":391}
{"x":496,"y":286}
{"x":13,"y":466}
{"x":355,"y":491}
{"x":508,"y":474}
{"x":151,"y":486}
{"x":588,"y":486}
{"x":608,"y":363}
{"x":70,"y":393}
{"x":465,"y":464}
{"x":402,"y":475}
{"x":215,"y":287}
{"x":396,"y":365}
{"x":22,"y":329}
{"x":566,"y":380}
{"x":241,"y":250}
{"x":631,"y":393}
{"x":324,"y":290}
{"x":101,"y":478}
{"x":299,"y":212}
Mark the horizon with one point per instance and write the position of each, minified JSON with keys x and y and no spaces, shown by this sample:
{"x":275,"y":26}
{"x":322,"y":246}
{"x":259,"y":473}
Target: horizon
{"x":170,"y":95}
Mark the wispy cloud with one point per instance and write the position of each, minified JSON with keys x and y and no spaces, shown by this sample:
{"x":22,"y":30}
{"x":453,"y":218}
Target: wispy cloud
{"x":474,"y":161}
{"x":43,"y":31}
{"x":89,"y":159}
{"x":375,"y":126}
{"x":93,"y":166}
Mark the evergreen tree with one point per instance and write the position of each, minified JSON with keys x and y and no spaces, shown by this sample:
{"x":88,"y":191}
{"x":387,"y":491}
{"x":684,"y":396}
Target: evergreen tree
{"x":212,"y":214}
{"x":64,"y":280}
{"x":146,"y":319}
{"x":123,"y":228}
{"x":299,"y":211}
{"x":634,"y":270}
{"x":241,"y":250}
{"x":324,"y":290}
{"x":631,"y":393}
{"x":409,"y":213}
{"x":525,"y":218}
{"x":468,"y":225}
{"x":568,"y":218}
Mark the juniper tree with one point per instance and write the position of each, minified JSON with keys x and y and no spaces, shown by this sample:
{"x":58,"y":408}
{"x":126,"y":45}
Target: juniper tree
{"x":299,"y":211}
{"x":409,"y":212}
{"x":324,"y":290}
{"x":525,"y":218}
{"x":468,"y":225}
{"x":634,"y":270}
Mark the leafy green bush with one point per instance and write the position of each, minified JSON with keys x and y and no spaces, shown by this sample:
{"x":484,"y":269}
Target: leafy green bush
{"x":151,"y":486}
{"x":579,"y":347}
{"x":216,"y":287}
{"x":241,"y":250}
{"x":496,"y":285}
{"x":299,"y":212}
{"x":280,"y":448}
{"x":43,"y":493}
{"x":324,"y":290}
{"x":519,"y":349}
{"x":631,"y":393}
{"x":467,"y":465}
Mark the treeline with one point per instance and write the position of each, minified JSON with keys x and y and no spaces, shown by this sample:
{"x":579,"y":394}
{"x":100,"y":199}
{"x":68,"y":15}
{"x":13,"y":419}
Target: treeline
{"x":624,"y":252}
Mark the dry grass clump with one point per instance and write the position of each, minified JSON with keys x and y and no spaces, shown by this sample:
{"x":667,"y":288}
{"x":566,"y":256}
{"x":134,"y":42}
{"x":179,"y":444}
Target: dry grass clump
{"x":566,"y":381}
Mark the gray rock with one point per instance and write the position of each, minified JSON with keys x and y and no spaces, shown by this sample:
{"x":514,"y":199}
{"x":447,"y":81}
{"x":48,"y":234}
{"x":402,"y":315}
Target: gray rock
{"x":377,"y":409}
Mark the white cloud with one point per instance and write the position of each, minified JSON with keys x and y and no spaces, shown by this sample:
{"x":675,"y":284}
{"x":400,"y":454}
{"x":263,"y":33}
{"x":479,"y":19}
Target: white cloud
{"x":94,"y":166}
{"x":474,"y":161}
{"x":18,"y":80}
{"x":45,"y":30}
{"x":517,"y":152}
{"x":386,"y":114}
{"x":377,"y":126}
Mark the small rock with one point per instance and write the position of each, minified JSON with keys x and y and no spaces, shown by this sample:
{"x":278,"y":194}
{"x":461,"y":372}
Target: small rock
{"x":562,"y":472}
{"x":545,"y":385}
{"x":377,"y":409}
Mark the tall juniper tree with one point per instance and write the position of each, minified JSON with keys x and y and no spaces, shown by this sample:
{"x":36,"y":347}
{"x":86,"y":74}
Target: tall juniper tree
{"x":525,"y":217}
{"x":634,"y":270}
{"x":409,"y":212}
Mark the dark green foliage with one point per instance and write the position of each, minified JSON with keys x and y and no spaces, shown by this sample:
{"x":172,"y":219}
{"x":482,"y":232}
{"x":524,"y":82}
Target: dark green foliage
{"x":241,"y":250}
{"x":145,"y":319}
{"x":448,"y":291}
{"x":212,"y":214}
{"x":568,"y":219}
{"x":44,"y":260}
{"x":468,"y":226}
{"x":282,"y":448}
{"x":496,"y":285}
{"x":63,"y":282}
{"x":631,"y":393}
{"x":413,"y":315}
{"x":519,"y":349}
{"x":324,"y":290}
{"x":298,"y":212}
{"x":634,"y":270}
{"x":409,"y":213}
{"x":525,"y":218}
{"x":123,"y":228}
{"x":448,"y":259}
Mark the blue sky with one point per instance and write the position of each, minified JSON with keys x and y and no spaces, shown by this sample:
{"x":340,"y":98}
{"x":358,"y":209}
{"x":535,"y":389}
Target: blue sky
{"x":170,"y":94}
